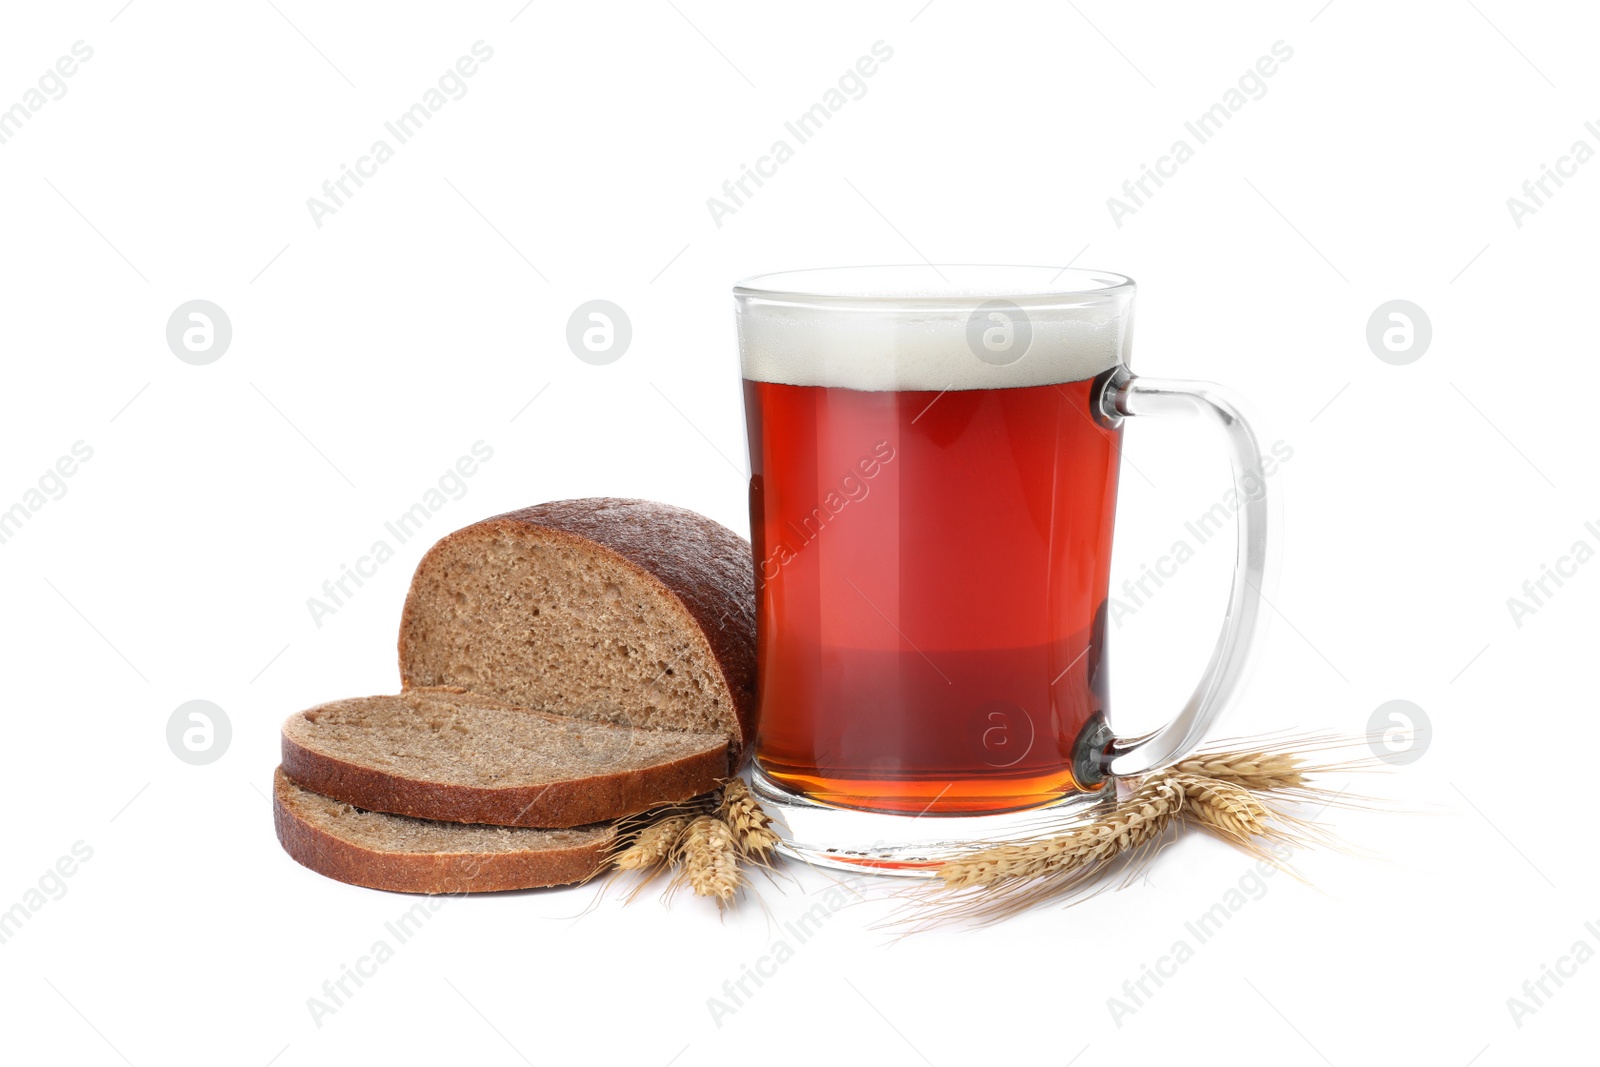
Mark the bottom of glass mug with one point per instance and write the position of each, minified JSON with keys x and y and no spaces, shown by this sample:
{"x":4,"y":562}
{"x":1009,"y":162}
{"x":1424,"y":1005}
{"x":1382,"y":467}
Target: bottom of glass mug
{"x":935,"y":794}
{"x":907,"y":843}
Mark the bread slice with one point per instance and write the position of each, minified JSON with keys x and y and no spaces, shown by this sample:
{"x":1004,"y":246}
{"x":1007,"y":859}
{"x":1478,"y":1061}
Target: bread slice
{"x":610,"y":610}
{"x":415,"y":856}
{"x":450,"y":755}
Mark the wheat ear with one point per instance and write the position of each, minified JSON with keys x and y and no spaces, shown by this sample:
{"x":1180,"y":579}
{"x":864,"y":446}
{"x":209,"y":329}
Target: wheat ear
{"x":1287,"y":768}
{"x":1259,"y":771}
{"x":1245,"y":791}
{"x":989,"y":885}
{"x":751,"y":826}
{"x":1229,"y":810}
{"x":1136,"y":822}
{"x":652,"y":845}
{"x":708,"y":858}
{"x":647,"y":843}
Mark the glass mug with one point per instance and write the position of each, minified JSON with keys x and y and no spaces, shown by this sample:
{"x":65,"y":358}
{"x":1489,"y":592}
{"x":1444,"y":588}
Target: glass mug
{"x":934,"y":454}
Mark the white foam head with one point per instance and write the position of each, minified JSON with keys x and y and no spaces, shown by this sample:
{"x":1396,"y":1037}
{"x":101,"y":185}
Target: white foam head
{"x":917,"y":327}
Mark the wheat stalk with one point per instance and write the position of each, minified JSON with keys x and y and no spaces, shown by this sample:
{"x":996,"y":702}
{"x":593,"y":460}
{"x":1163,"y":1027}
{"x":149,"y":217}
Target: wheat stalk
{"x":647,"y":843}
{"x":1234,"y":793}
{"x":1230,"y":792}
{"x":701,"y":841}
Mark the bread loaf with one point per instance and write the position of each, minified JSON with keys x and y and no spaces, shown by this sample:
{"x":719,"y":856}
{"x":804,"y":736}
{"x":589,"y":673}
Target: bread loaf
{"x":563,"y":665}
{"x":612,"y":610}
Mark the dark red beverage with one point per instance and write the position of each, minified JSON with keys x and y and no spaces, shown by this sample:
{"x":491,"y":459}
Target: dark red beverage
{"x":932,"y":575}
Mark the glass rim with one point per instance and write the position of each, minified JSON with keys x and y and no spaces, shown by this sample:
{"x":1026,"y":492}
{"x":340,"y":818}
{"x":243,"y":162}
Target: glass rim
{"x":920,"y":285}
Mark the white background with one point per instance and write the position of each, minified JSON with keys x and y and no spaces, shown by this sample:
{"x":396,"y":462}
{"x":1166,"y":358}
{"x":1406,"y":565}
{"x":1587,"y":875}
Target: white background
{"x":423,"y":316}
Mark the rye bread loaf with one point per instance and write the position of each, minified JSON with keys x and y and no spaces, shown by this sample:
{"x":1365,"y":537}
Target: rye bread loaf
{"x":415,"y":856}
{"x":605,"y":609}
{"x":447,"y":754}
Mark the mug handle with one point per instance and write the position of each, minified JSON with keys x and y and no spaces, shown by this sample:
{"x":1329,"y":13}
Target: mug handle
{"x":1127,"y":395}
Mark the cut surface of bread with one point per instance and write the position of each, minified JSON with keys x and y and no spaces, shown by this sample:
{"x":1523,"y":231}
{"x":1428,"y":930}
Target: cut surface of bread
{"x":408,"y":855}
{"x":449,"y":755}
{"x":604,"y":609}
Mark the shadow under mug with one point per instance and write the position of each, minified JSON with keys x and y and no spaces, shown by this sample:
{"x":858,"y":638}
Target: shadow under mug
{"x":934,"y":454}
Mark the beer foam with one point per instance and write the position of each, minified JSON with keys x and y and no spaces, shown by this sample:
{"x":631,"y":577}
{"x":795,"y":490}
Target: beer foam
{"x":901,"y":337}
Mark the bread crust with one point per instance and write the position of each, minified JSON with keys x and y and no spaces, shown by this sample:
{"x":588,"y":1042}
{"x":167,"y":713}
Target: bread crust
{"x":429,"y":872}
{"x":556,"y":805}
{"x":700,"y":564}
